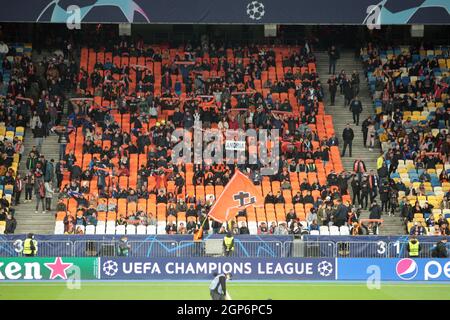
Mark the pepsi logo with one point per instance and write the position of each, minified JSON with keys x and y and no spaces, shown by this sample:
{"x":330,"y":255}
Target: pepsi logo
{"x":406,"y":269}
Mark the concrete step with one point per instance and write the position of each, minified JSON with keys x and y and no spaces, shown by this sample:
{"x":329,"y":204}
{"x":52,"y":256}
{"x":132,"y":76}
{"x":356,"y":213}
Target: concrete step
{"x":342,"y":116}
{"x":27,"y":219}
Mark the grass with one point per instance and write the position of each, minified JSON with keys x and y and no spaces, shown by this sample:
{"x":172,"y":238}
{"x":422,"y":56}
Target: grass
{"x":237,"y":290}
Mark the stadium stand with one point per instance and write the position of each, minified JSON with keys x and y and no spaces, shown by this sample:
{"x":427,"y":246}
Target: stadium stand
{"x":410,"y":87}
{"x":15,"y":70}
{"x":117,"y":178}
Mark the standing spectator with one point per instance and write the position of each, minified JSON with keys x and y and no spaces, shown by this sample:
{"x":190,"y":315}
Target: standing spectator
{"x":38,"y":134}
{"x":59,"y":172}
{"x":48,"y":194}
{"x":40,"y":195}
{"x":375,"y":211}
{"x":384,"y":196}
{"x":332,"y":87}
{"x":333,"y":55}
{"x":341,"y":214}
{"x":49,"y":170}
{"x":29,"y":181}
{"x":347,"y":136}
{"x":355,"y":83}
{"x":364,"y":129}
{"x":370,"y":136}
{"x":365,"y":190}
{"x":356,"y":109}
{"x":18,"y":187}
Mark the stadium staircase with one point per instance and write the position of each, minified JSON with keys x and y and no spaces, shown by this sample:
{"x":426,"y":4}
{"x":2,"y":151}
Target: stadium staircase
{"x":342,"y":116}
{"x":27,"y":219}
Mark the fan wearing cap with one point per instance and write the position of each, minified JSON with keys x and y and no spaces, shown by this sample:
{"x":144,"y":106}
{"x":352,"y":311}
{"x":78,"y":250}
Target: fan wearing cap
{"x":218,"y":286}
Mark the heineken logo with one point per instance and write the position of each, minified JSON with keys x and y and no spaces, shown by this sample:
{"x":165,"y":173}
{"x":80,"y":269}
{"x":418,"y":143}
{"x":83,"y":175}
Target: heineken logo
{"x":45,"y":268}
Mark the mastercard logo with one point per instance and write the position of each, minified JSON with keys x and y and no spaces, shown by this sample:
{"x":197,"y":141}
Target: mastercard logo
{"x":406,"y":269}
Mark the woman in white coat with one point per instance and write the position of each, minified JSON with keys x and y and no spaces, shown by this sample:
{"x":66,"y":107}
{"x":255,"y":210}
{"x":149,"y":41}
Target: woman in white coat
{"x":370,"y":136}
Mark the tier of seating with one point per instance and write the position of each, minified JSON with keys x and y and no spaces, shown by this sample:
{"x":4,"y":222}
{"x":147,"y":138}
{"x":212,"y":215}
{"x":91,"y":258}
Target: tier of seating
{"x":106,"y":219}
{"x":16,"y":50}
{"x":432,"y":65}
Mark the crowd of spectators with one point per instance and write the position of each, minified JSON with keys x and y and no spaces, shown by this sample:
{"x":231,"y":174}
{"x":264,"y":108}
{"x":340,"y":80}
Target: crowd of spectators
{"x":32,"y":97}
{"x":235,"y":97}
{"x":410,"y":87}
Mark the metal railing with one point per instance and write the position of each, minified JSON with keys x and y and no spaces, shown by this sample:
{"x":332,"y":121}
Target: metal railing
{"x":45,"y":248}
{"x":310,"y":249}
{"x":359,"y":249}
{"x":247,"y":249}
{"x":399,"y":249}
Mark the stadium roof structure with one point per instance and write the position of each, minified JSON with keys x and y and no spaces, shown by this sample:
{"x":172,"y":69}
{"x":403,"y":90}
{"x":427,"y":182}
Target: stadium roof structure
{"x":228,"y":12}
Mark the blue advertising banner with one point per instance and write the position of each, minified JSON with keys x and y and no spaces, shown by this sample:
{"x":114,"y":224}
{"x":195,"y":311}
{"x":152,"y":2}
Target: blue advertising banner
{"x":373,"y":12}
{"x":394,"y":269}
{"x":204,"y":268}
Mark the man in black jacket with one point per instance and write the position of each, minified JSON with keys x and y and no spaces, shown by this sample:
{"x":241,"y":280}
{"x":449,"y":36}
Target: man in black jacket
{"x":375,"y":211}
{"x":347,"y":136}
{"x":11,"y":224}
{"x":333,"y":55}
{"x":341,"y":214}
{"x":365,"y":129}
{"x":356,"y":188}
{"x":356,"y":109}
{"x":332,"y":87}
{"x":440,"y":251}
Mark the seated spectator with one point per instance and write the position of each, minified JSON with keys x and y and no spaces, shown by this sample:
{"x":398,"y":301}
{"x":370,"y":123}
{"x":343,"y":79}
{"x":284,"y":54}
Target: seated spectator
{"x":298,"y":198}
{"x":430,"y":221}
{"x":161,"y":197}
{"x":290,"y":216}
{"x":308,"y":198}
{"x":132,"y":196}
{"x":311,"y":216}
{"x":417,"y":230}
{"x":243,"y":229}
{"x":296,"y":229}
{"x":435,"y":231}
{"x":314,"y":226}
{"x":445,"y":231}
{"x":279,"y":198}
{"x":263,"y":229}
{"x":181,"y":228}
{"x":270,"y":198}
{"x":171,"y":228}
{"x":11,"y":224}
{"x":80,"y":220}
{"x":191,"y":227}
{"x":281,"y":229}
